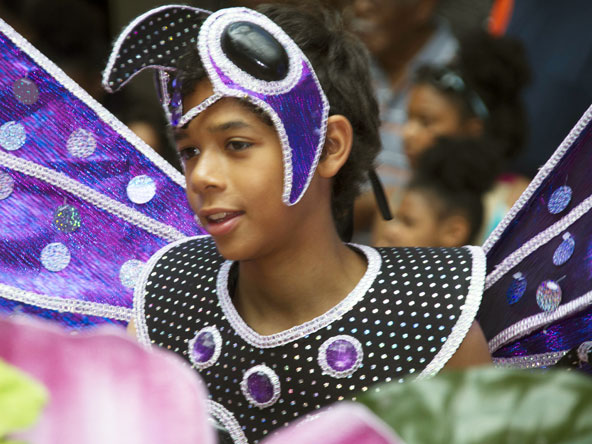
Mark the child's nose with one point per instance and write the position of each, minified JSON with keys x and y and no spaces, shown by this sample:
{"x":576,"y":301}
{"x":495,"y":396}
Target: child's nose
{"x":208,"y":173}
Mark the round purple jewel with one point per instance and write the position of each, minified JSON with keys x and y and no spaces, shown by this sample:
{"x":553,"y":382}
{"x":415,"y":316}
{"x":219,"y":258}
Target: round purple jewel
{"x":565,"y":250}
{"x":340,"y":356}
{"x":261,"y":386}
{"x":204,"y":348}
{"x":516,"y":289}
{"x":559,"y":199}
{"x":548,"y":295}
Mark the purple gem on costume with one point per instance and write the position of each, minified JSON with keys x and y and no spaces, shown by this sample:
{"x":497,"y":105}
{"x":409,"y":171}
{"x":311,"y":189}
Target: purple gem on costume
{"x":565,"y":250}
{"x":559,"y":199}
{"x":548,"y":295}
{"x":341,"y":355}
{"x":204,"y":347}
{"x":516,"y":289}
{"x":260,"y":387}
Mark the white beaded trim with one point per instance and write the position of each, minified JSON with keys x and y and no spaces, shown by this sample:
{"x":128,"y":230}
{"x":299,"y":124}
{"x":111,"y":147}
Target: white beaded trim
{"x":531,"y":361}
{"x":86,"y":193}
{"x":538,"y":241}
{"x":544,"y":171}
{"x":528,"y":325}
{"x":217,"y":348}
{"x":466,"y":318}
{"x":322,"y":356}
{"x":196,"y":110}
{"x":139,"y":314}
{"x":227,"y":419}
{"x":209,"y":46}
{"x":583,"y":350}
{"x":273,"y":378}
{"x":255,"y":339}
{"x":81,"y":94}
{"x":65,"y":305}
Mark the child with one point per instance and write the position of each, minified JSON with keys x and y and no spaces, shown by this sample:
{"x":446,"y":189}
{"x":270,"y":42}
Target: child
{"x":277,"y":314}
{"x":442,"y":204}
{"x":478,"y":95}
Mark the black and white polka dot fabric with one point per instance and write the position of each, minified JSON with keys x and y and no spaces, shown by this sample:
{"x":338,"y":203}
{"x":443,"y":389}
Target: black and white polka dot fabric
{"x":406,"y":316}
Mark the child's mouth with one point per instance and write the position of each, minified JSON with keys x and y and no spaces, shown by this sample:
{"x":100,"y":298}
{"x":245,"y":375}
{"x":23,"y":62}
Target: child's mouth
{"x":222,"y":223}
{"x":221,"y":217}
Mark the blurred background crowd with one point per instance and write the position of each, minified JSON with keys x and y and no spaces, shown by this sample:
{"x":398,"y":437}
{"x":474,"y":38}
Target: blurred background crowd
{"x":474,"y":94}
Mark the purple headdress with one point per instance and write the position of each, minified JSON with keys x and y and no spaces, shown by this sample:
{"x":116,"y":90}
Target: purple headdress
{"x":246,"y":56}
{"x":83,"y":201}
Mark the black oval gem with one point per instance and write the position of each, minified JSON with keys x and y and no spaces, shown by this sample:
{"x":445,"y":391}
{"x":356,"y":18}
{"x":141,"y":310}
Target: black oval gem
{"x":255,"y":51}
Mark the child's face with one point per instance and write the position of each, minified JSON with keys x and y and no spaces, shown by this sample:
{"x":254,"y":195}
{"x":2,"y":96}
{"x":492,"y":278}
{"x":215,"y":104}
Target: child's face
{"x":234,"y":172}
{"x":415,"y":224}
{"x":430,"y":114}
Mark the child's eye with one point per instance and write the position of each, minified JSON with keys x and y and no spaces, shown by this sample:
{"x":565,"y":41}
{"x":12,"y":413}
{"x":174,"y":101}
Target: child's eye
{"x":188,"y":153}
{"x":238,"y":145}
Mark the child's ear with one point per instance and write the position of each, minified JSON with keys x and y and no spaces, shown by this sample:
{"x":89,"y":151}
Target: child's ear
{"x":338,"y":144}
{"x":454,"y":231}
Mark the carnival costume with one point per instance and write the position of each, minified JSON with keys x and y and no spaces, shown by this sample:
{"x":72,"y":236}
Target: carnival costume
{"x":406,"y":316}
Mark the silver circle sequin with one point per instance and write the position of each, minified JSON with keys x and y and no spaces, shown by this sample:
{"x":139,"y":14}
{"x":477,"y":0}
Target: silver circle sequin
{"x":261,"y":386}
{"x":548,"y":295}
{"x":55,"y":256}
{"x":516,"y":289}
{"x":6,"y":185}
{"x":66,"y":218}
{"x":565,"y":250}
{"x":129,"y":272}
{"x":12,"y":136}
{"x":141,"y":189}
{"x":205,"y":347}
{"x":81,"y":143}
{"x":559,"y":199}
{"x":25,"y":91}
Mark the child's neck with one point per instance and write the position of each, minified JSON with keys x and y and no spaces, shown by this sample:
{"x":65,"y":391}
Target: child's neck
{"x":297,"y":285}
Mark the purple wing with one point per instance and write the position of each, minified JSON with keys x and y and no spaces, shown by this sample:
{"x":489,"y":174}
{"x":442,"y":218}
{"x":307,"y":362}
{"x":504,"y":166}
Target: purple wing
{"x":83,"y":201}
{"x":538,"y":301}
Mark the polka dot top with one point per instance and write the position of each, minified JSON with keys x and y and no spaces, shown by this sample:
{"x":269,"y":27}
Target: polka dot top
{"x":406,"y":316}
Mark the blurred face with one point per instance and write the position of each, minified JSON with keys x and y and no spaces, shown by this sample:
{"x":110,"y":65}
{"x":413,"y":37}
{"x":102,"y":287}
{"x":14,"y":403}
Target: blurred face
{"x":384,"y":24}
{"x":234,"y":172}
{"x":430,"y":114}
{"x":415,"y":224}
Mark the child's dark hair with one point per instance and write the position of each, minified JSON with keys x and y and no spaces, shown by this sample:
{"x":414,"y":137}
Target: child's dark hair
{"x":341,"y":63}
{"x":455,"y":173}
{"x":494,"y":70}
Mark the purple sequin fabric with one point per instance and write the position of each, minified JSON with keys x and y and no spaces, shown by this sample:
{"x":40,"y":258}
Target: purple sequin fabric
{"x":86,"y":197}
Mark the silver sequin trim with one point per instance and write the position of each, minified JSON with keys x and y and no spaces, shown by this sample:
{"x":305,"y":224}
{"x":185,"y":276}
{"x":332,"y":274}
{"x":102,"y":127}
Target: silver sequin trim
{"x":544,"y":171}
{"x":531,"y":361}
{"x":89,"y":195}
{"x":196,"y":110}
{"x":139,"y":314}
{"x":322,"y":356}
{"x":65,"y":305}
{"x":466,"y":318}
{"x":284,"y":337}
{"x":103,"y":114}
{"x":217,"y":347}
{"x":584,"y":350}
{"x":227,"y":419}
{"x":528,"y":325}
{"x":273,"y":379}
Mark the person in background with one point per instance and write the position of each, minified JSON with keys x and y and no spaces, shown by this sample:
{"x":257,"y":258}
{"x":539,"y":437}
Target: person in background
{"x":442,"y":204}
{"x":477,"y":96}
